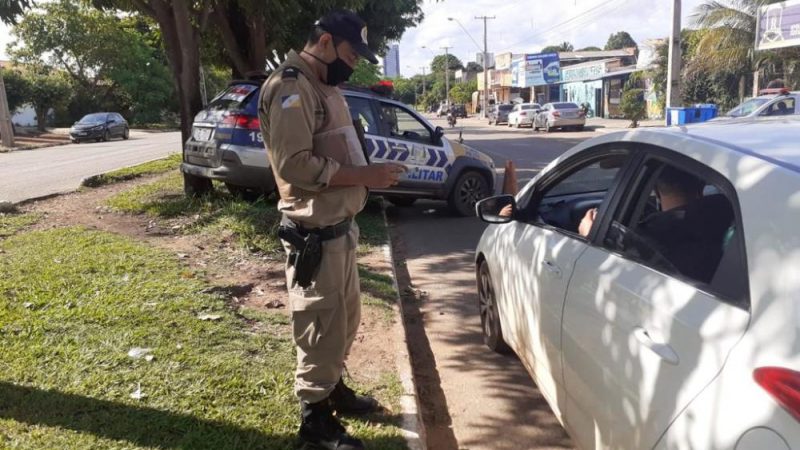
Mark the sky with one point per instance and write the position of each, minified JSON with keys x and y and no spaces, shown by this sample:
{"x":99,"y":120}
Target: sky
{"x":526,"y":26}
{"x":520,"y":26}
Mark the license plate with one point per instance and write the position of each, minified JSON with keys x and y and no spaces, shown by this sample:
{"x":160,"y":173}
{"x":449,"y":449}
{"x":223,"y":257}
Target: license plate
{"x":568,"y":114}
{"x":82,"y":134}
{"x":202,"y":134}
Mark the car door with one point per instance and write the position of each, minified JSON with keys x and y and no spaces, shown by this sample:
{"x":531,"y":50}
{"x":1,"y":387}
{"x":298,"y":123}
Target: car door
{"x":512,"y":116}
{"x":119,"y":125}
{"x":540,"y":118}
{"x":649,"y":319}
{"x":546,"y":245}
{"x":411,"y":141}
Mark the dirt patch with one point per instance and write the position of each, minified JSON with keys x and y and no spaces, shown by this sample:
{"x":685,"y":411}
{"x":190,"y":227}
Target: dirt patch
{"x":247,"y":279}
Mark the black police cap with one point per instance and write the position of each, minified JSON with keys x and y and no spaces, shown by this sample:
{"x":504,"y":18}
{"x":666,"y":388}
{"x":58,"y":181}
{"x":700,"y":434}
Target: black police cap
{"x":348,"y":26}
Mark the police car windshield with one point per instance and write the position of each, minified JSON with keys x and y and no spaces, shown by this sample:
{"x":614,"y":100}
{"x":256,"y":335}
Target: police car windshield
{"x":94,"y":118}
{"x":747,"y":107}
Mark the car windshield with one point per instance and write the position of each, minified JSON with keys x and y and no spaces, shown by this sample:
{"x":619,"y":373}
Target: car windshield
{"x":528,"y":106}
{"x":505,"y":107}
{"x":747,"y":107}
{"x":94,"y":118}
{"x":565,"y":106}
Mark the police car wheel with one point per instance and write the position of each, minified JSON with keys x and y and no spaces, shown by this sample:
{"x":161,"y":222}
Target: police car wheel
{"x":246,"y":194}
{"x":402,"y":202}
{"x":469,"y":188}
{"x":194,"y":186}
{"x":490,"y":317}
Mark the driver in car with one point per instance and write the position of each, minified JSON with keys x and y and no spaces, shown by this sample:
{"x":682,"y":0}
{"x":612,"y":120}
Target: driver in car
{"x":688,"y":229}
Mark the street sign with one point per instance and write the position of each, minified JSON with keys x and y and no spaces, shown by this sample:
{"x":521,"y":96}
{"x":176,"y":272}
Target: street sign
{"x":535,"y":70}
{"x":778,"y":25}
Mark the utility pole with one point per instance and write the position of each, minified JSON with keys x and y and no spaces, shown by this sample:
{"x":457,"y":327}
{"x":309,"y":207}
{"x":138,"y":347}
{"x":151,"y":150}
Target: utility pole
{"x":447,"y":75}
{"x":674,"y":68}
{"x":485,"y":96}
{"x":423,"y":80}
{"x":6,"y":130}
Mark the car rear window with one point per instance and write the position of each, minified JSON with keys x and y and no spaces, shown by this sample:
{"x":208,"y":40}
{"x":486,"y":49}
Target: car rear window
{"x":565,"y":106}
{"x":528,"y":106}
{"x":505,"y":107}
{"x":233,"y":97}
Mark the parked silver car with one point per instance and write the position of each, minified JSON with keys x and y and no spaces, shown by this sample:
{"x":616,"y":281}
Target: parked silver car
{"x":771,"y":102}
{"x":560,"y":115}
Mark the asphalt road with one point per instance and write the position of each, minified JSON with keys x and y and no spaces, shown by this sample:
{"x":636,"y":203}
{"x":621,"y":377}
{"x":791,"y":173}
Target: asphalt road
{"x":491,"y":401}
{"x":36,"y":173}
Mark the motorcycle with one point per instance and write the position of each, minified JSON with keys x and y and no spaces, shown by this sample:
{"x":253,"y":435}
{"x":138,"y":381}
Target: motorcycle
{"x":451,"y":119}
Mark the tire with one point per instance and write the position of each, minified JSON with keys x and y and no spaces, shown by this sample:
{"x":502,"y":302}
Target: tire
{"x":470,"y":187}
{"x":579,"y":128}
{"x":547,"y":127}
{"x":126,"y":134}
{"x":400,"y":201}
{"x":246,"y":194}
{"x":194,"y":186}
{"x":75,"y":141}
{"x":490,"y":318}
{"x":106,"y":136}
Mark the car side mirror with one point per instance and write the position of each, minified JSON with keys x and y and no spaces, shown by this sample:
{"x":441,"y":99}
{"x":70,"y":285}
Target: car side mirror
{"x":498,"y":209}
{"x":438,"y":133}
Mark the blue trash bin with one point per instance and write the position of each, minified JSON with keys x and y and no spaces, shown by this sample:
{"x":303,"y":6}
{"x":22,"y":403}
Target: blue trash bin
{"x":707,"y":111}
{"x":676,"y":115}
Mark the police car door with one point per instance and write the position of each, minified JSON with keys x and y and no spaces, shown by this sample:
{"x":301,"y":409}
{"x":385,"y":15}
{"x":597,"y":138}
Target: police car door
{"x":410,"y":141}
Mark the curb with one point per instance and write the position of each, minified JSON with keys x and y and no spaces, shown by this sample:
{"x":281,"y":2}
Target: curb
{"x":413,"y":428}
{"x":85,"y":181}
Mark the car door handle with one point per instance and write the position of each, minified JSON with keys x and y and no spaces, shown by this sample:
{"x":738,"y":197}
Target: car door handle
{"x":552,"y":268}
{"x":664,"y":351}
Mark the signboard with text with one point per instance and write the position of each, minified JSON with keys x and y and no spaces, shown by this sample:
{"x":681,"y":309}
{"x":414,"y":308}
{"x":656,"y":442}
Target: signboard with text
{"x":778,"y":25}
{"x":584,"y":72}
{"x":535,"y":70}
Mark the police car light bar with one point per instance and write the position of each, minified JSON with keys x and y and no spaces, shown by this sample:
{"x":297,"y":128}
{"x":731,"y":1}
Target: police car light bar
{"x":776,"y":91}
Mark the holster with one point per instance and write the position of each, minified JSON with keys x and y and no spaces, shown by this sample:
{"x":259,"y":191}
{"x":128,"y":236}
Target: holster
{"x":306,"y":256}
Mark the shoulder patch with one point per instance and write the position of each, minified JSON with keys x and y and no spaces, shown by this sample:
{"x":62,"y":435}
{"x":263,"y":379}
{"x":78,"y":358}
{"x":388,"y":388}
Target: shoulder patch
{"x":290,"y":73}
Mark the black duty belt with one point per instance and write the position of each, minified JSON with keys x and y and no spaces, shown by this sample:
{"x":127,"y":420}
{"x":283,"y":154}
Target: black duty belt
{"x":324,"y":233}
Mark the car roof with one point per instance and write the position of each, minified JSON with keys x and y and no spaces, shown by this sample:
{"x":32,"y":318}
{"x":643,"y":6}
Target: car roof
{"x":773,"y":139}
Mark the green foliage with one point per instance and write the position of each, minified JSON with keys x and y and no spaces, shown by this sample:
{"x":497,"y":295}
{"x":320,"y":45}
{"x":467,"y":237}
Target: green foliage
{"x":111,"y":60}
{"x":365,"y":74}
{"x":590,"y":48}
{"x":47,"y":89}
{"x":17,"y":89}
{"x":633,"y":105}
{"x":472,"y":66}
{"x":438,"y":64}
{"x":562,"y":47}
{"x":10,"y":10}
{"x":620,"y":40}
{"x":407,"y":89}
{"x":461,"y":93}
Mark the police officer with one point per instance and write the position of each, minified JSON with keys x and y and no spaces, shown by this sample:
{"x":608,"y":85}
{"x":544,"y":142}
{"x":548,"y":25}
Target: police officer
{"x":323,"y":180}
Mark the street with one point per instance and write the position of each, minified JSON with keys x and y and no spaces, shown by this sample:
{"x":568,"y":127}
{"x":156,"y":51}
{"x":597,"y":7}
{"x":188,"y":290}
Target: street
{"x":36,"y":173}
{"x":491,"y":399}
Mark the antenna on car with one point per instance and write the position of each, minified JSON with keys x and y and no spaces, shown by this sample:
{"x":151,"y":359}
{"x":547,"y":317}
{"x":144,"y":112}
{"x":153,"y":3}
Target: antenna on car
{"x":460,"y":136}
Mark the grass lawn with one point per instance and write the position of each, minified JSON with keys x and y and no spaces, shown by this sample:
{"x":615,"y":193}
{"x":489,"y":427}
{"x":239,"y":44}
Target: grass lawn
{"x":150,"y":168}
{"x":75,"y":303}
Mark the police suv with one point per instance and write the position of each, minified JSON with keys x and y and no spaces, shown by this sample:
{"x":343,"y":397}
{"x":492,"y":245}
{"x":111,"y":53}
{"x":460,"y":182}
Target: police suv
{"x":226,"y":145}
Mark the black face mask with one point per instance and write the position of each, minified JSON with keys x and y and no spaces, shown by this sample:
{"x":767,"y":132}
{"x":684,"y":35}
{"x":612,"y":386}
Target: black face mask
{"x":338,"y":70}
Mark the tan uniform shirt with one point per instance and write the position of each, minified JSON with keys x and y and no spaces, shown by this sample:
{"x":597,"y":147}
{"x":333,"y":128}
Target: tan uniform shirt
{"x":309,"y":134}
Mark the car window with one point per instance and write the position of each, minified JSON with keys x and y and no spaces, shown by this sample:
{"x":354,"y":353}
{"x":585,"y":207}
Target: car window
{"x":361,"y":110}
{"x":505,"y":107}
{"x":233,"y":97}
{"x":564,"y":202}
{"x":747,"y":107}
{"x":403,"y":124}
{"x":565,"y":106}
{"x":682,"y":222}
{"x":528,"y":107}
{"x":782,"y":107}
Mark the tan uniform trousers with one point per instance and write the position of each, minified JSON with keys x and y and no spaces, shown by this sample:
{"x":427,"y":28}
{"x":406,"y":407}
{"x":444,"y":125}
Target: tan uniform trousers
{"x":325,"y":318}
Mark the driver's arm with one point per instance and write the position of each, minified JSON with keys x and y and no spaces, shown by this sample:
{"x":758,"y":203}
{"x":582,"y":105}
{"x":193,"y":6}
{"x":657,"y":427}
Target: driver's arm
{"x":586,"y":223}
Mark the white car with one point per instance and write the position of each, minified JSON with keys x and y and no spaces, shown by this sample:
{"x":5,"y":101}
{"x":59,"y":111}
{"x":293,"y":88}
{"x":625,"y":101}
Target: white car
{"x":561,"y":115}
{"x":674,"y":323}
{"x":523,"y":114}
{"x":772,"y":102}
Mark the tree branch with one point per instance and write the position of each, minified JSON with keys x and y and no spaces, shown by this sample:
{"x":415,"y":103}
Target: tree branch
{"x":238,"y":59}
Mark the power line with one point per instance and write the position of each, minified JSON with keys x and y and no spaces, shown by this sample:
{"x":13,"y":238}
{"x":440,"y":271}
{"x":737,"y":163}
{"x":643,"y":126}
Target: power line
{"x":572,"y":19}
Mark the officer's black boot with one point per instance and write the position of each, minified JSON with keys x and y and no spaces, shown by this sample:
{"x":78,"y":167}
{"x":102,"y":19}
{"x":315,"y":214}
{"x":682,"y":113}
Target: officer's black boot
{"x":321,"y":430}
{"x":345,"y":401}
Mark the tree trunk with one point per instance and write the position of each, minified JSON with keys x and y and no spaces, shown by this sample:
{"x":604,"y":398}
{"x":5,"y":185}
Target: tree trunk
{"x":742,"y":88}
{"x":244,"y":38}
{"x":41,"y":118}
{"x":181,"y":38}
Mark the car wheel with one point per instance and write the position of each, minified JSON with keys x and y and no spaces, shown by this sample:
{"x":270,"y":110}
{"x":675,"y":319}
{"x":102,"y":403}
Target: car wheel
{"x":468,"y":189}
{"x":402,"y":202}
{"x":126,"y":134}
{"x":490,"y":317}
{"x":194,"y":186}
{"x":75,"y":141}
{"x":579,"y":128}
{"x":106,"y":136}
{"x":547,"y":127}
{"x":247,"y":194}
